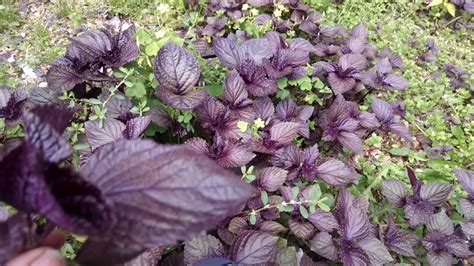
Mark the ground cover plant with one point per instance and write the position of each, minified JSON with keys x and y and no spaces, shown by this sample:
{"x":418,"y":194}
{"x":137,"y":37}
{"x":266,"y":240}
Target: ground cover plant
{"x":251,"y":132}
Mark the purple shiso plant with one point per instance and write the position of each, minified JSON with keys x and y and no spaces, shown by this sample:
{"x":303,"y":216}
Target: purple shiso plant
{"x":253,"y":182}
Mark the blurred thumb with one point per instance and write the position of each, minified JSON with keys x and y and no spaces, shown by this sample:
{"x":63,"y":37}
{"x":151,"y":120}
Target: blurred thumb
{"x":39,"y":257}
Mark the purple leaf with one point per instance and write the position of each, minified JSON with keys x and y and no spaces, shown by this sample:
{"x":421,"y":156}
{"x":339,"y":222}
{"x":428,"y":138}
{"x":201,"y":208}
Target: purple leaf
{"x":351,"y":141}
{"x":375,"y":250}
{"x":324,"y":245}
{"x":234,"y":89}
{"x":354,"y":256}
{"x":111,"y":131}
{"x":368,"y":120}
{"x":272,"y":227}
{"x":284,"y":133}
{"x":441,"y":223}
{"x":11,"y":107}
{"x":177,"y":71}
{"x":303,"y":230}
{"x":106,"y":251}
{"x":160,"y":117}
{"x":400,"y":241}
{"x":264,"y":108}
{"x":435,"y":193}
{"x":271,"y":178}
{"x":439,"y":258}
{"x":401,"y":131}
{"x":228,"y":51}
{"x":323,"y":221}
{"x":13,"y":236}
{"x":340,"y":85}
{"x":335,"y":172}
{"x":418,"y":213}
{"x":130,"y":169}
{"x":201,"y":247}
{"x":198,"y":145}
{"x":62,"y":196}
{"x":382,"y":110}
{"x":149,"y":257}
{"x":395,"y":82}
{"x":135,"y":126}
{"x":184,"y":101}
{"x":466,"y":179}
{"x":468,"y":228}
{"x":467,"y":208}
{"x":44,"y":131}
{"x":118,"y":105}
{"x":395,"y":192}
{"x":253,"y":247}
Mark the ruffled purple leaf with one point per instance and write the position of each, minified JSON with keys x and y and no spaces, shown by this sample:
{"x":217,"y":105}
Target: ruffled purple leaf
{"x":122,"y":185}
{"x":253,"y":247}
{"x":13,"y":236}
{"x":110,"y":131}
{"x":323,"y":221}
{"x":418,"y":212}
{"x":375,"y":250}
{"x":395,"y":192}
{"x":303,"y":230}
{"x":184,"y":101}
{"x":218,"y":118}
{"x":435,"y":193}
{"x":214,"y":26}
{"x":272,"y":227}
{"x":201,"y":247}
{"x":335,"y":172}
{"x":44,"y":131}
{"x":263,"y":108}
{"x":177,"y":71}
{"x":135,"y":126}
{"x":466,"y":179}
{"x":284,"y":133}
{"x":399,"y":240}
{"x":393,"y":58}
{"x":271,"y":178}
{"x":12,"y":103}
{"x":324,"y":245}
{"x":256,"y":80}
{"x":385,"y":114}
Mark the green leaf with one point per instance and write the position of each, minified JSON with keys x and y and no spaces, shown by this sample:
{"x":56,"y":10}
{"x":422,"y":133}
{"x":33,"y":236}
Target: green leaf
{"x":435,"y":3}
{"x":451,"y":8}
{"x":152,"y":49}
{"x":324,"y":207}
{"x":214,"y":89}
{"x":457,"y":132}
{"x":253,"y":219}
{"x":264,"y":197}
{"x":319,"y":84}
{"x":282,"y":83}
{"x":312,"y":209}
{"x":304,"y":212}
{"x":403,"y":151}
{"x":294,"y":192}
{"x":315,"y":192}
{"x":251,"y":178}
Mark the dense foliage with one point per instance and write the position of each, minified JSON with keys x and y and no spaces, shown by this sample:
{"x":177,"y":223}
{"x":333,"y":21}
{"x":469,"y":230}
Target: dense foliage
{"x":294,"y":102}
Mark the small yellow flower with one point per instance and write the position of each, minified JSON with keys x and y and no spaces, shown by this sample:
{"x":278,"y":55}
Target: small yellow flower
{"x":163,"y":8}
{"x":245,"y":7}
{"x":259,"y":123}
{"x":254,"y":12}
{"x":277,"y":13}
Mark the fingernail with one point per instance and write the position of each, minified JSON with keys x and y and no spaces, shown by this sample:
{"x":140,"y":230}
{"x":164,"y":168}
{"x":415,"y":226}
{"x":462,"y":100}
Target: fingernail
{"x":50,"y":257}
